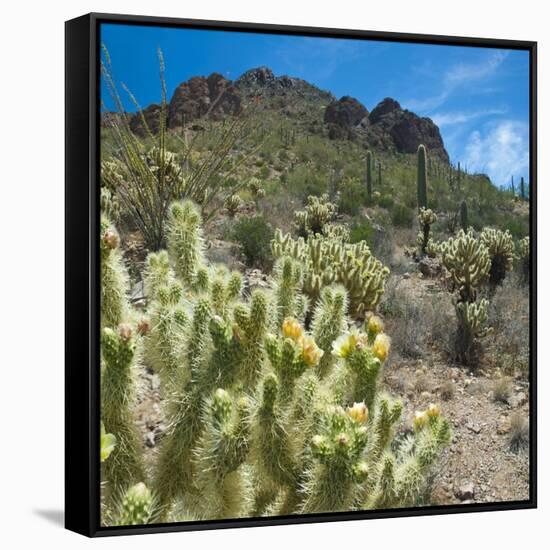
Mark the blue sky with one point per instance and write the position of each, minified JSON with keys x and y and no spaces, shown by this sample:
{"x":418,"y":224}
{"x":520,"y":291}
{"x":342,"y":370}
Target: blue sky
{"x":479,"y":97}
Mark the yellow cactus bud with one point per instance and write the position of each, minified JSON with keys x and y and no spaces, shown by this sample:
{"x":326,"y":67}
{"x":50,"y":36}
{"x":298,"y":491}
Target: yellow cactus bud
{"x":433,"y":410}
{"x":420,"y":420}
{"x":375,"y":324}
{"x":344,"y":345}
{"x":107,"y":443}
{"x":381,"y":346}
{"x":292,"y":329}
{"x":359,"y":413}
{"x":311,"y":353}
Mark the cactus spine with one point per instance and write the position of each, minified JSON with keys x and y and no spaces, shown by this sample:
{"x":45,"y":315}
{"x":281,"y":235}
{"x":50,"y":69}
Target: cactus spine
{"x":422,"y":178}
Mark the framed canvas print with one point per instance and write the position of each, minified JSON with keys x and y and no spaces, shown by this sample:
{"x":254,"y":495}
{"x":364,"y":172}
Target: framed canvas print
{"x":300,"y":274}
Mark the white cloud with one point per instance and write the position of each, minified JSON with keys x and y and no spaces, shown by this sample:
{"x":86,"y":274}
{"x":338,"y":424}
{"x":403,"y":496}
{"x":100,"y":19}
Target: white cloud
{"x":501,"y":152}
{"x":460,"y":117}
{"x":457,"y":76}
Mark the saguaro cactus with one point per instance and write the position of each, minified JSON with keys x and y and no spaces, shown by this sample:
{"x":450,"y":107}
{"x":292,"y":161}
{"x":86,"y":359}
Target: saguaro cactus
{"x":522,"y":188}
{"x":422,"y":178}
{"x":369,"y":176}
{"x":464,"y":215}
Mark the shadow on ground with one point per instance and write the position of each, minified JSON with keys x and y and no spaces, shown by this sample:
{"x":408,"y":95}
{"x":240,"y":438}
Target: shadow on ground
{"x":57,"y":517}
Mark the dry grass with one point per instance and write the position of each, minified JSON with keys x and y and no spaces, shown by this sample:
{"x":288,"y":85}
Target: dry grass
{"x":519,"y":432}
{"x":502,"y":389}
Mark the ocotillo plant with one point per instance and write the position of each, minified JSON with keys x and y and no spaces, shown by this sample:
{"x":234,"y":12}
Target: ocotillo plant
{"x":263,"y":416}
{"x":422,"y":178}
{"x":369,"y":177}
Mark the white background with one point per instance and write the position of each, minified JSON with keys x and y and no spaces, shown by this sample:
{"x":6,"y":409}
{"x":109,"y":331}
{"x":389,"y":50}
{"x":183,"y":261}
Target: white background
{"x":31,"y":270}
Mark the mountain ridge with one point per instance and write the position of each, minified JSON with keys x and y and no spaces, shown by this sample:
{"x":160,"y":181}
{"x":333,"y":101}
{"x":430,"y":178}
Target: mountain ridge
{"x":387,"y":127}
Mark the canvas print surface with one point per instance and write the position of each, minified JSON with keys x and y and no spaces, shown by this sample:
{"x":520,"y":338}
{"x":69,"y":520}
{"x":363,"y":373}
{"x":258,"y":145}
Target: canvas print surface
{"x":315,"y":267}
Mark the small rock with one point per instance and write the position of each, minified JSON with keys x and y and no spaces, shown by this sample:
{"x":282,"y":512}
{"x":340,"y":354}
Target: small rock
{"x":503,"y":426}
{"x":406,"y":275}
{"x":465,"y":491}
{"x":150,"y":439}
{"x":517,"y":400}
{"x":475,"y":428}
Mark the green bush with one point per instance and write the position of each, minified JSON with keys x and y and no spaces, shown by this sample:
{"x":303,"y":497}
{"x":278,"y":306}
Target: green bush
{"x":361,"y":230}
{"x":253,"y":236}
{"x":353,"y":195}
{"x":386,"y":202}
{"x":402,"y":216}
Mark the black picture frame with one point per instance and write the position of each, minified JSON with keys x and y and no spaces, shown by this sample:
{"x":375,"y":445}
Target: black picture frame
{"x":82,"y":126}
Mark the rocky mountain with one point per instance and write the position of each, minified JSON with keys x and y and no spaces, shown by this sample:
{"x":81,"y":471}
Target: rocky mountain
{"x":387,"y":127}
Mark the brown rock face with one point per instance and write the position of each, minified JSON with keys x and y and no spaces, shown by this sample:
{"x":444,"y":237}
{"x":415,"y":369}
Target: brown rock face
{"x":347,"y":112}
{"x":406,"y":129}
{"x":214,"y":96}
{"x":152,"y":118}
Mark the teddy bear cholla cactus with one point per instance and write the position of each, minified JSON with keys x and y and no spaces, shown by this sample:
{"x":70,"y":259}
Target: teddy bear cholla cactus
{"x":264,"y":416}
{"x":469,"y":264}
{"x":500,"y":245}
{"x":525,"y":258}
{"x":426,"y":218}
{"x":326,"y":260}
{"x":318,"y":212}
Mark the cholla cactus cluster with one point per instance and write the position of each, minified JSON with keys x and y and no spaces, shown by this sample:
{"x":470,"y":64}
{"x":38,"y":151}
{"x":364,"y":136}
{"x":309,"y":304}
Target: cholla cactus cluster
{"x":525,"y":258}
{"x":329,"y":259}
{"x":270,"y":409}
{"x":426,"y":218}
{"x":468,"y":261}
{"x":500,"y":245}
{"x":255,"y":187}
{"x":319,"y":211}
{"x":232,"y":204}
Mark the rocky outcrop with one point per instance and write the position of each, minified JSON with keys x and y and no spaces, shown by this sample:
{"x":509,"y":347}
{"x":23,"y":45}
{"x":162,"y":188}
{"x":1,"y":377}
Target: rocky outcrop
{"x":347,"y":112}
{"x":214,"y":96}
{"x":406,"y":129}
{"x":151,"y":115}
{"x":263,"y":83}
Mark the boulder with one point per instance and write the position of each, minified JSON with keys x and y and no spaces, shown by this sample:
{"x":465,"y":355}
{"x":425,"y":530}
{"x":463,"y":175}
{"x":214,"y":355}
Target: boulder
{"x":347,"y":112}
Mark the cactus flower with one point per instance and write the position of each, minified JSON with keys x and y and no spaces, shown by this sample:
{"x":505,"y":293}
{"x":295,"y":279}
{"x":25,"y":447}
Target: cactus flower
{"x":433,"y":410}
{"x":292,"y":329}
{"x":381,"y":346}
{"x":107,"y":444}
{"x":420,"y":420}
{"x":344,"y":345}
{"x":375,"y":325}
{"x":359,"y":413}
{"x":311,"y":353}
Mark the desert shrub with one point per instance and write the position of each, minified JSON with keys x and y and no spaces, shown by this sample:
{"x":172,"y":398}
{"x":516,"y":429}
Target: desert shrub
{"x":353,"y":195}
{"x":502,"y":389}
{"x":253,"y":236}
{"x":447,"y":390}
{"x":402,"y":216}
{"x":385,"y":201}
{"x":361,"y":230}
{"x":519,"y":432}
